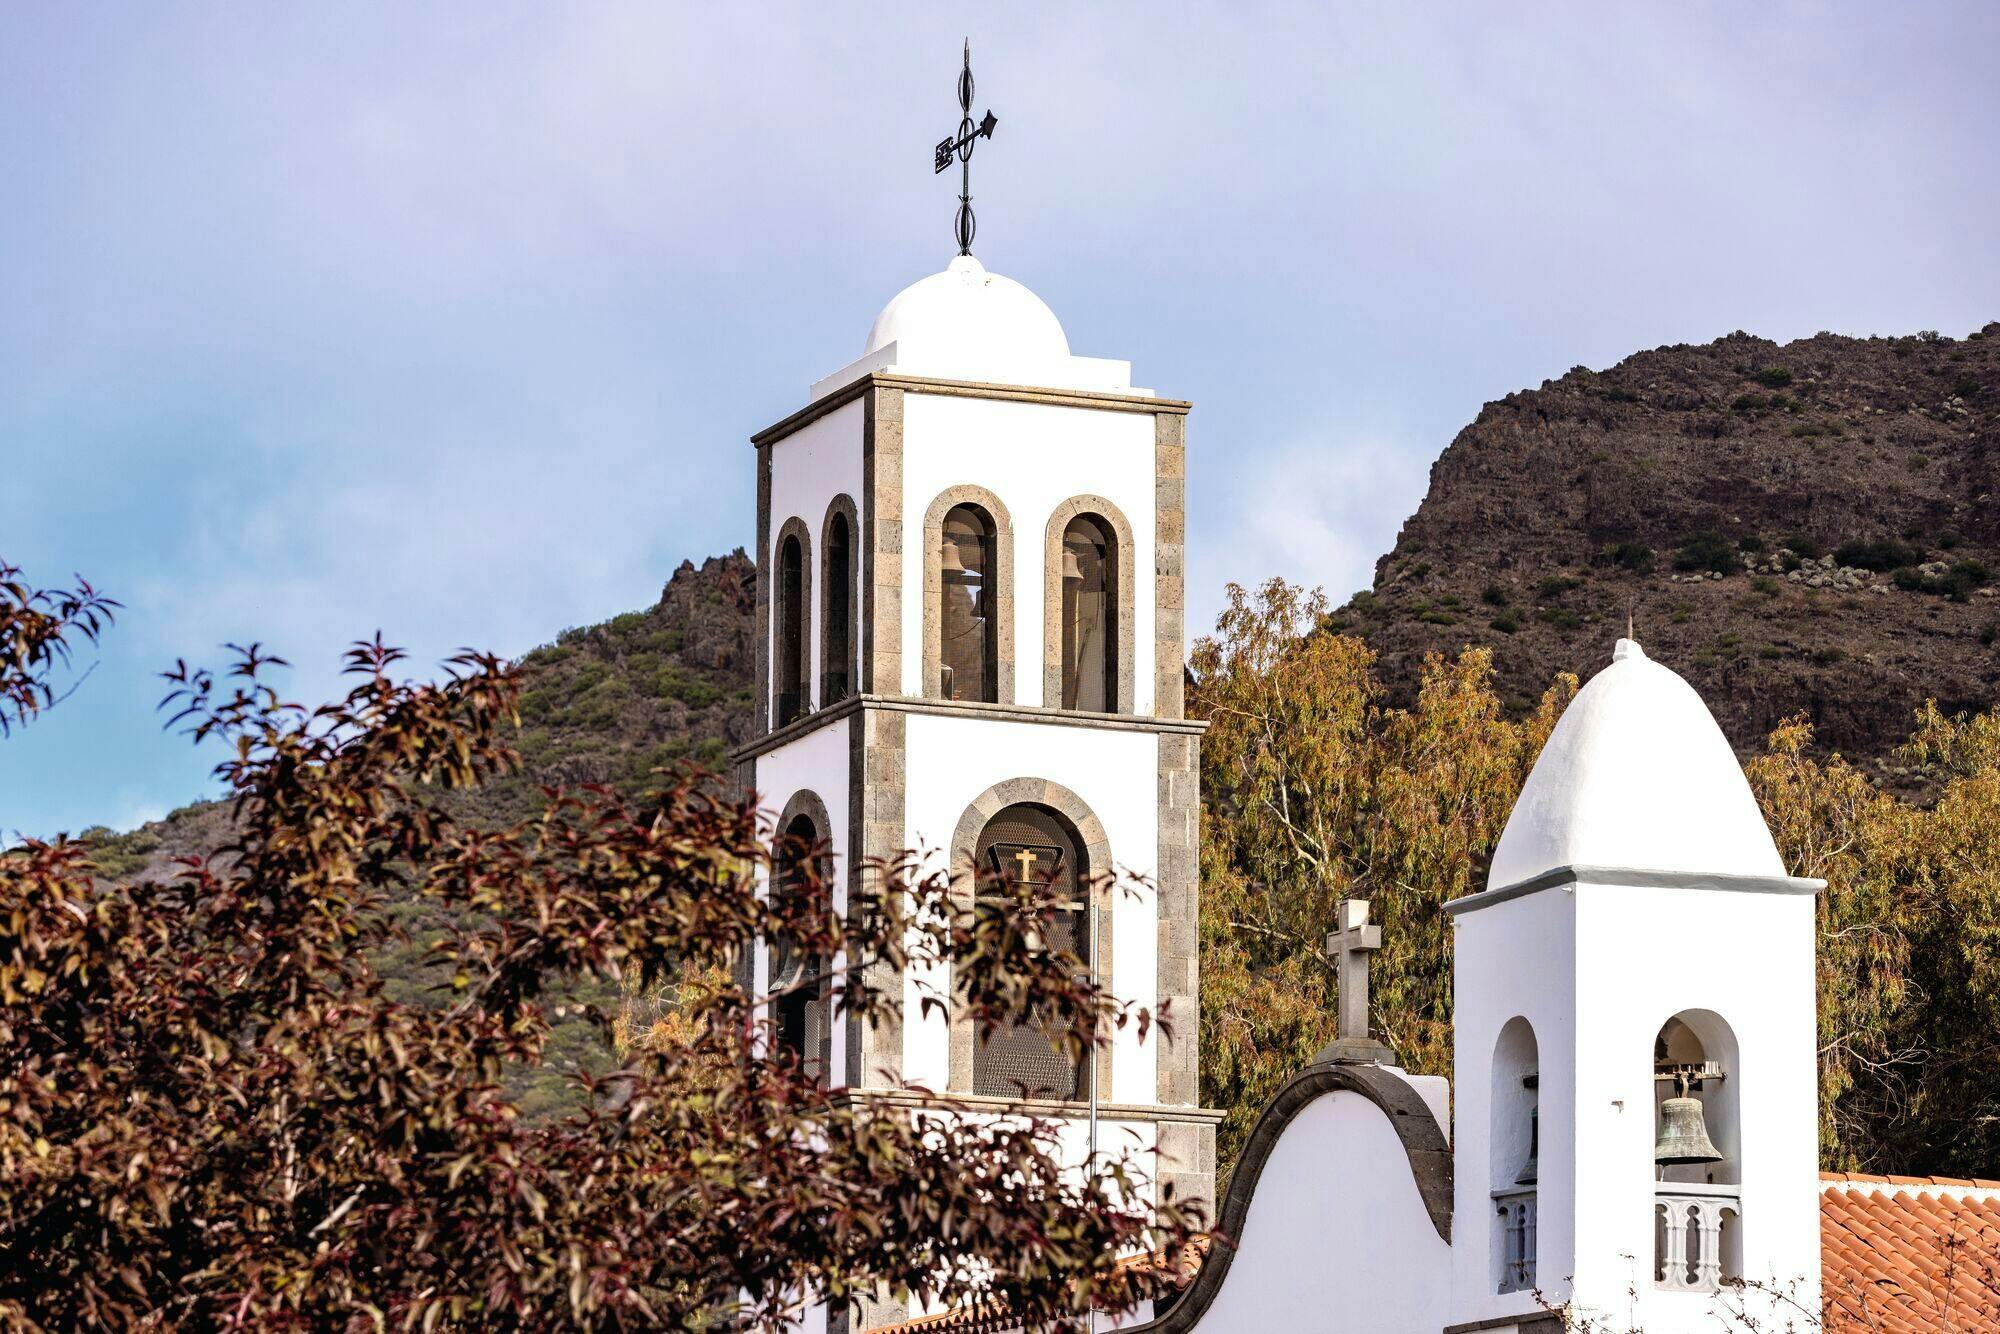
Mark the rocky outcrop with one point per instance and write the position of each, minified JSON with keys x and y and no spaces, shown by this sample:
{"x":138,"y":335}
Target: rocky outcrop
{"x":1808,"y":528}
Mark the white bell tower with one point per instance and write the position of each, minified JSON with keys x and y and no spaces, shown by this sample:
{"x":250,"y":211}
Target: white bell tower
{"x":1639,"y":942}
{"x":970,"y":619}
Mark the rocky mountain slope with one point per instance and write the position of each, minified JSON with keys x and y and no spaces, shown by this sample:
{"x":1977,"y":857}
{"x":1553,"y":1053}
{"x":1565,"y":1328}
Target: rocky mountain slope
{"x":1808,"y":528}
{"x":606,"y":703}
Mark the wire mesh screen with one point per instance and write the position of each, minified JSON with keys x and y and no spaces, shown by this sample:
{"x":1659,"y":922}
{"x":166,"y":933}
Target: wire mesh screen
{"x":1028,"y":845}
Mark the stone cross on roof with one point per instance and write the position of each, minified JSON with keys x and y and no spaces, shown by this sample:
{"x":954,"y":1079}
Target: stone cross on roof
{"x":1354,"y":939}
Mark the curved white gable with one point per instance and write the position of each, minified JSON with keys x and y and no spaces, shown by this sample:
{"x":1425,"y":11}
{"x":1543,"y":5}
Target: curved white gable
{"x":1636,"y":775}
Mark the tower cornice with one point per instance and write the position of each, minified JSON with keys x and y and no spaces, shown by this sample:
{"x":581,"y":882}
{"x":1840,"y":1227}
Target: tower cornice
{"x":921,"y":384}
{"x":962,"y":708}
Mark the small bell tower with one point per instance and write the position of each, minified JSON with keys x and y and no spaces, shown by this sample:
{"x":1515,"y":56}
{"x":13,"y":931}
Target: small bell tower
{"x":1636,"y":1070}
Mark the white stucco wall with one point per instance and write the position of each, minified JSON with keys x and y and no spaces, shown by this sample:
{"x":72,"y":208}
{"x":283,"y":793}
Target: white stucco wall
{"x":1597,"y":969}
{"x":1644,"y":955}
{"x":951,"y":761}
{"x":1033,"y":457}
{"x":1515,"y":958}
{"x":809,"y":468}
{"x":1337,"y":1238}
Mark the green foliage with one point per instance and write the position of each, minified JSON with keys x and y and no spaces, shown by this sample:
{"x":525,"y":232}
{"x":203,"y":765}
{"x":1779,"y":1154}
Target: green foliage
{"x":1881,"y":554}
{"x":1706,"y":550}
{"x":1555,"y":585}
{"x":1958,"y":581}
{"x":1506,"y":623}
{"x":1773,"y":377}
{"x":1317,"y":789}
{"x":1634,"y":556}
{"x":1804,"y":544}
{"x":1493,"y":595}
{"x":1562,"y":618}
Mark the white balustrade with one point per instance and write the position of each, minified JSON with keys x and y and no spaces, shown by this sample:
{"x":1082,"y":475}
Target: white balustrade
{"x":1517,"y":1232}
{"x":1690,"y":1222}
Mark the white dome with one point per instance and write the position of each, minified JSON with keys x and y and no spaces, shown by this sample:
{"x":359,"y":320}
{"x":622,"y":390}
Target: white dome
{"x":1636,"y":775}
{"x":969,"y":322}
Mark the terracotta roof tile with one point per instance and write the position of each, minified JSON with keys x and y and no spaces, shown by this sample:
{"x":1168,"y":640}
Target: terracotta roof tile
{"x":1909,"y":1255}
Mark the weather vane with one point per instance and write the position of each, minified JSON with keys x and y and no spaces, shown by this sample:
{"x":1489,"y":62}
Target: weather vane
{"x":960,"y":147}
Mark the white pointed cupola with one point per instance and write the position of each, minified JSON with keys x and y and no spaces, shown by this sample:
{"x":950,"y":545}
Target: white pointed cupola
{"x":1636,"y":775}
{"x":1634,"y":1018}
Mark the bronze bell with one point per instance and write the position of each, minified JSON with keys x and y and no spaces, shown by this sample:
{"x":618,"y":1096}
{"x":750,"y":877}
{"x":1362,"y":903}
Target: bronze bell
{"x":1531,"y":1170}
{"x":1683,"y":1134}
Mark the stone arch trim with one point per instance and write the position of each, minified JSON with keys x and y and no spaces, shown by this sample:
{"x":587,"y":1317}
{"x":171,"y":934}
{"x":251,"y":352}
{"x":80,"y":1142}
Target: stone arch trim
{"x":1003,"y":586}
{"x":807,"y":802}
{"x":1409,"y":1116}
{"x":792,"y":527}
{"x":843,"y":505}
{"x":1097,"y":864}
{"x":1121,"y":561}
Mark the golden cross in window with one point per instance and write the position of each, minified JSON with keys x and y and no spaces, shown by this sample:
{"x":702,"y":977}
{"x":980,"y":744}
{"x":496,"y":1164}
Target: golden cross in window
{"x":1026,"y":856}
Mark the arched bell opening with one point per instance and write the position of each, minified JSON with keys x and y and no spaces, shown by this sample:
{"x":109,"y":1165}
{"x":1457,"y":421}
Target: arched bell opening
{"x":795,"y":981}
{"x":791,"y":635}
{"x":1514,"y":1151}
{"x":1697,"y":1153}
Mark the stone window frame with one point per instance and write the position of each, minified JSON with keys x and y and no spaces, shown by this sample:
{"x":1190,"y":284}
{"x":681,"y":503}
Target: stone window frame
{"x":843,"y":506}
{"x":1002,"y":582}
{"x":1097,"y":507}
{"x":1103,"y":888}
{"x":808,"y":803}
{"x":792,"y":527}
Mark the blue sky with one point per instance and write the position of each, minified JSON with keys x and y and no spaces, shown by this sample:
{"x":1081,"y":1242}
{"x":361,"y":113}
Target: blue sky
{"x":454,"y":320}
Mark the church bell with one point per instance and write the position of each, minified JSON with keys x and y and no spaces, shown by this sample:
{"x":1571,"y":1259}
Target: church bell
{"x":1683,"y":1134}
{"x":1531,"y":1171}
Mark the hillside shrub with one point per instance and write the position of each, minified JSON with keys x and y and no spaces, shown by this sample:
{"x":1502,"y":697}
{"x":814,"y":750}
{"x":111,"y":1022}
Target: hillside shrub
{"x":1773,"y":377}
{"x":1707,"y":550}
{"x":1562,"y":618}
{"x":1958,"y":582}
{"x":1634,"y":556}
{"x":1804,"y":544}
{"x":1880,"y":554}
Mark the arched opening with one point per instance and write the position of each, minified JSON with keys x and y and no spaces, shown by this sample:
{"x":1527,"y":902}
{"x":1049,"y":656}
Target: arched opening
{"x":837,"y":653}
{"x":968,"y":630}
{"x":798,"y":1003}
{"x":1514,"y":1154}
{"x":1697,"y":1153}
{"x":1029,"y":847}
{"x":791,"y":639}
{"x":1090,"y":614}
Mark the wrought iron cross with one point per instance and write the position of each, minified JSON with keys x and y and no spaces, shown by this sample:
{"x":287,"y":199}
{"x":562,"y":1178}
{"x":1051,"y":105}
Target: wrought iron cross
{"x":960,"y":147}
